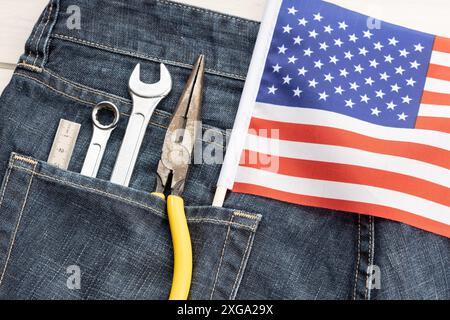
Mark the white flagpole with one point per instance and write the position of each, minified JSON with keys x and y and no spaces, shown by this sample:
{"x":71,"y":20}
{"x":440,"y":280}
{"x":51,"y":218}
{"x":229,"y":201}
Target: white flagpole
{"x":247,"y":103}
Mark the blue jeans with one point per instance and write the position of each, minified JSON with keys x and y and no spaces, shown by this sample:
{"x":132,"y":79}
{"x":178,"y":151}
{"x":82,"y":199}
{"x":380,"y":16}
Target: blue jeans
{"x":118,"y":238}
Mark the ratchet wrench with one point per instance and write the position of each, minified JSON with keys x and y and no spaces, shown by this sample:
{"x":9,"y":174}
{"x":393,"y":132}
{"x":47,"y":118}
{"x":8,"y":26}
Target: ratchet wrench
{"x":146,"y":98}
{"x":99,"y":139}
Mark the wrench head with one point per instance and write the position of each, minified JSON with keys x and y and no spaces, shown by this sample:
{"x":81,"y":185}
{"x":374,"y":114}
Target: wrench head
{"x":160,"y":89}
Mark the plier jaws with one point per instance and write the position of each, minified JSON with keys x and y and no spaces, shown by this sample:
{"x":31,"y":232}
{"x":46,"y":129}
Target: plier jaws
{"x":182,"y":134}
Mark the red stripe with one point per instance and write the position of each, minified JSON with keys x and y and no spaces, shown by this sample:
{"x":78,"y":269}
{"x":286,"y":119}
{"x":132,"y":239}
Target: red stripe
{"x":442,"y":44}
{"x":439,"y":72}
{"x":435,"y":124}
{"x":346,"y":173}
{"x":349,"y":206}
{"x":344,"y":138}
{"x":441,"y":99}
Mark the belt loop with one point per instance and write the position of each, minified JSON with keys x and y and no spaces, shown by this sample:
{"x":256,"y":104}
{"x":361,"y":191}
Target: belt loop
{"x":36,"y":48}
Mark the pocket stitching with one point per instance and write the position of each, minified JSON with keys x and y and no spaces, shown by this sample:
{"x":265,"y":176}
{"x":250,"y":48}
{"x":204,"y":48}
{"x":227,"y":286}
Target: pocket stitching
{"x":221,"y":258}
{"x":19,"y":220}
{"x":235,"y":287}
{"x":129,"y":201}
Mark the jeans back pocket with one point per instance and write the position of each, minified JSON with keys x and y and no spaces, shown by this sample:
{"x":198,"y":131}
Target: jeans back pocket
{"x":66,"y":236}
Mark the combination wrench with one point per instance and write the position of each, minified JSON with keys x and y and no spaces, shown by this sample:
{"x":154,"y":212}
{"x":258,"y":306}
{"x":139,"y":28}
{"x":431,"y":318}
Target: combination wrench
{"x":99,"y":139}
{"x":146,"y":98}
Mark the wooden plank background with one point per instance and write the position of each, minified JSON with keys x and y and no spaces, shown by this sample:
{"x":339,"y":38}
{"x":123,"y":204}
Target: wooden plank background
{"x":17,"y":18}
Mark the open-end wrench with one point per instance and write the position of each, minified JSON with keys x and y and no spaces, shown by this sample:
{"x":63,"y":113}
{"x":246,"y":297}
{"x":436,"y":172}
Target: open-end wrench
{"x":100,"y":138}
{"x":146,"y":98}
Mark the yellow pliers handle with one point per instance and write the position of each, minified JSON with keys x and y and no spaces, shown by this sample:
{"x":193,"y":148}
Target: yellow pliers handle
{"x":182,"y":248}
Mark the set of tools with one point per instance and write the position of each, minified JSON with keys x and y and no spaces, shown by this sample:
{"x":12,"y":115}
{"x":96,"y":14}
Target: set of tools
{"x":173,"y":166}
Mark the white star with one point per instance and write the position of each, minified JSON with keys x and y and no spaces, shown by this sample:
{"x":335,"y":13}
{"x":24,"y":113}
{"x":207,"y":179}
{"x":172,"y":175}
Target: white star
{"x":318,"y":17}
{"x":339,"y":90}
{"x":374,"y":63}
{"x":411,"y":82}
{"x":313,"y":83}
{"x":395,"y":88}
{"x":403,"y":53}
{"x":359,"y":69}
{"x":324,"y":46}
{"x":363,"y":51}
{"x":338,"y":42}
{"x":272,"y":89}
{"x":348,"y":55}
{"x":378,"y":46}
{"x":323,"y":96}
{"x":313,"y":34}
{"x":329,"y":77}
{"x":369,"y":81}
{"x":292,"y":10}
{"x":391,"y":105}
{"x":354,"y":86}
{"x":276,"y":68}
{"x":292,"y":59}
{"x":365,"y":98}
{"x":402,"y":116}
{"x":298,"y":40}
{"x":349,"y":103}
{"x":287,"y":29}
{"x":282,"y":49}
{"x":344,"y":73}
{"x":388,"y":58}
{"x":384,"y":76}
{"x":419,"y":47}
{"x":287,"y":79}
{"x":343,"y":25}
{"x":318,"y":64}
{"x":353,"y":38}
{"x":328,"y":29}
{"x":302,"y":22}
{"x":334,"y":60}
{"x":308,"y":52}
{"x":375,"y":112}
{"x":415,"y":65}
{"x":399,"y":70}
{"x":368,"y":34}
{"x":406,"y":100}
{"x":380,"y":94}
{"x":302,"y":71}
{"x":393,"y":41}
{"x":297,"y":92}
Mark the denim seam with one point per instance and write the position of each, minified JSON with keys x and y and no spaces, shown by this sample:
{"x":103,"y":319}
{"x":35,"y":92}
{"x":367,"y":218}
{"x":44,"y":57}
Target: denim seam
{"x":46,"y":47}
{"x":32,"y":40}
{"x":6,"y":184}
{"x":358,"y":257}
{"x":92,"y":90}
{"x":221,"y":258}
{"x":237,"y":281}
{"x":29,"y":66}
{"x":145,"y":56}
{"x":209,"y":12}
{"x":129,"y":201}
{"x":42,"y":32}
{"x":370,"y":256}
{"x":19,"y":220}
{"x":122,"y":113}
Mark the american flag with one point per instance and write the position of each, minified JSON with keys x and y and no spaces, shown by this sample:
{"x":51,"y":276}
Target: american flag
{"x":352,"y":118}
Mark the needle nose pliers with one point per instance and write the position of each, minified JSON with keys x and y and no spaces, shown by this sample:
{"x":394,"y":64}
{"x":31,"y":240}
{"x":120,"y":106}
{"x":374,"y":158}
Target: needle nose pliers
{"x":172,"y":172}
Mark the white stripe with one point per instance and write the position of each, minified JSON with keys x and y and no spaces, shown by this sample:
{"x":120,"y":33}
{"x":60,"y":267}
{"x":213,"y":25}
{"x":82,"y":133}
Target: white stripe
{"x":437,"y":85}
{"x":428,"y":110}
{"x":345,"y":191}
{"x":350,"y":156}
{"x":331,"y":119}
{"x":440,"y":58}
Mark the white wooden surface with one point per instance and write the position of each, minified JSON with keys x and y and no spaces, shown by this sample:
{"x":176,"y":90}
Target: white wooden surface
{"x":17,"y":18}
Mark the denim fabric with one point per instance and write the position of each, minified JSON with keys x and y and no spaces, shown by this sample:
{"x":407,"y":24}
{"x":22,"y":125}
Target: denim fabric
{"x":253,"y":248}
